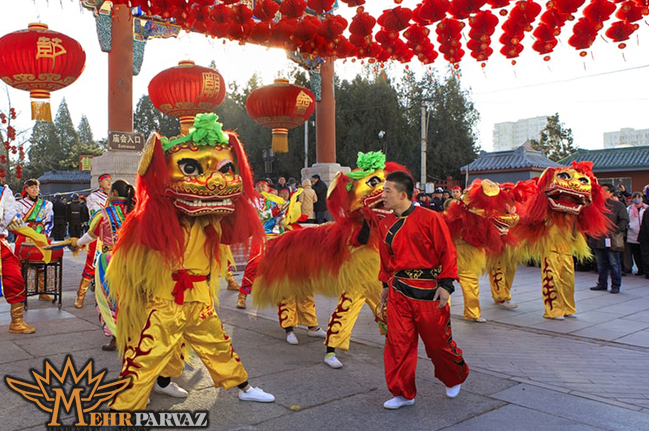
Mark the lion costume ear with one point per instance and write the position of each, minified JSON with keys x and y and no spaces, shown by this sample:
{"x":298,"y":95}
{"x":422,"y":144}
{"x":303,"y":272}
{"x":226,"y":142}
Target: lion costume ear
{"x":147,"y":152}
{"x":334,"y":182}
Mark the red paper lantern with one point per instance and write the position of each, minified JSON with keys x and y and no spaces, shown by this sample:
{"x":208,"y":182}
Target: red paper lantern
{"x":280,"y":107}
{"x":187,"y":90}
{"x":39,"y":60}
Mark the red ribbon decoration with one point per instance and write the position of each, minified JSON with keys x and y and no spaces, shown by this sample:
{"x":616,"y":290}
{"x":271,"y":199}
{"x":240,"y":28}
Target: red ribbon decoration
{"x":184,"y":281}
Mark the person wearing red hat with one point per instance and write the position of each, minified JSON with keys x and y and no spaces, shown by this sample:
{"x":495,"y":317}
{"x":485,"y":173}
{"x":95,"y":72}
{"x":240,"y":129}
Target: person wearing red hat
{"x":95,"y":202}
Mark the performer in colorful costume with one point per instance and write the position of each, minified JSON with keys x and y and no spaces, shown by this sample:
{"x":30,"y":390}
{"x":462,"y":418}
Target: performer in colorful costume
{"x":335,"y":259}
{"x":191,"y":203}
{"x":418,"y":266}
{"x":502,"y":267}
{"x":12,"y":286}
{"x":103,"y":233}
{"x":38,"y":214}
{"x":269,"y":209}
{"x":95,"y":202}
{"x":480,"y":225}
{"x":568,"y":205}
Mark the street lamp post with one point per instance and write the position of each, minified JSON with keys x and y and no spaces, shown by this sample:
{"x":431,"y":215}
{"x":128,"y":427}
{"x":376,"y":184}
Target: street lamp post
{"x":424,"y":145}
{"x":268,"y":155}
{"x":384,"y":143}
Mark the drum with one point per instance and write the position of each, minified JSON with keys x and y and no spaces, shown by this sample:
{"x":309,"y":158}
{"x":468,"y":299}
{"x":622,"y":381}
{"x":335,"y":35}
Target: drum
{"x":31,"y":253}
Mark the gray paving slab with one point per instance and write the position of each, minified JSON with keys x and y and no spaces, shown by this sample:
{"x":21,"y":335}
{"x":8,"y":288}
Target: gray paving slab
{"x":577,"y":409}
{"x":517,"y":418}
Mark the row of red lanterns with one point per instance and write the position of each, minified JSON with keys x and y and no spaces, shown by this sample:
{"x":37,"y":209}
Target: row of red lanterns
{"x":403,"y":33}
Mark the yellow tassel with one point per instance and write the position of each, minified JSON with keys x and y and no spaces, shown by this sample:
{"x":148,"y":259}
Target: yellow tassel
{"x":280,"y":140}
{"x":41,"y":110}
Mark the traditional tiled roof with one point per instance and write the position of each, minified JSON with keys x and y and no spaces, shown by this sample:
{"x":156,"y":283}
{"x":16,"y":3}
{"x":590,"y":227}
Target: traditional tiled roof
{"x":65,"y":177}
{"x":521,"y":158}
{"x":613,"y":159}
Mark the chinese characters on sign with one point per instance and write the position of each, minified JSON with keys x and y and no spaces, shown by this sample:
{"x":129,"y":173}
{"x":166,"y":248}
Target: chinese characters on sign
{"x":85,"y":162}
{"x":125,"y":141}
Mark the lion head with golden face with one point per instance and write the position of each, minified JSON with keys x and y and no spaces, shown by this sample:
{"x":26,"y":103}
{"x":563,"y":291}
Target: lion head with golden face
{"x":484,"y":215}
{"x":358,"y":193}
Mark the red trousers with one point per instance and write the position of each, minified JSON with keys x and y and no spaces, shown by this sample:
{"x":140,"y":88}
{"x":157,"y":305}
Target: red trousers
{"x":407,"y":320}
{"x":250,"y":273}
{"x":89,"y":269}
{"x":13,"y":285}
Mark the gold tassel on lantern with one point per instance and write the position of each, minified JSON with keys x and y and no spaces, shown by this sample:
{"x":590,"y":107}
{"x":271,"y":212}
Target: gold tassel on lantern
{"x":280,"y":140}
{"x":41,"y":110}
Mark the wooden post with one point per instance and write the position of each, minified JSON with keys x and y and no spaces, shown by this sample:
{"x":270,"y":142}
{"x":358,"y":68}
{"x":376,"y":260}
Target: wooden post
{"x":120,"y":71}
{"x":325,"y":116}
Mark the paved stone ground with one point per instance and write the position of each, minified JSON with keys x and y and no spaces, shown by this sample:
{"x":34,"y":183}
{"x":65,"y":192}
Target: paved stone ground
{"x":528,"y":373}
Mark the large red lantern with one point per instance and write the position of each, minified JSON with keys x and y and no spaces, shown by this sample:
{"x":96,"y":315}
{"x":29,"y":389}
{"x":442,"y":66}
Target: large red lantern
{"x":281,"y":107}
{"x":187,"y":90}
{"x":39,"y":60}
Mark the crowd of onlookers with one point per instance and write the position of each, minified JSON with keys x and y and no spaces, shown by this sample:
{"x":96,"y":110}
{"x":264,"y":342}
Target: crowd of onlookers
{"x":313,"y":197}
{"x":439,"y":200}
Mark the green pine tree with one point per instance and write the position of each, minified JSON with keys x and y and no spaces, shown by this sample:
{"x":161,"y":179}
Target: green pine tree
{"x":556,"y":140}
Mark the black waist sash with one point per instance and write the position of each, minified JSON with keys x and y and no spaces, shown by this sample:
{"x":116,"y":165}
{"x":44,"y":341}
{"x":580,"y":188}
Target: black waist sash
{"x":400,"y":283}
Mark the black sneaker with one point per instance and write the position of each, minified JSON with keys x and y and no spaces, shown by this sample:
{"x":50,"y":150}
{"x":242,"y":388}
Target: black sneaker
{"x":615,"y":290}
{"x":598,"y":288}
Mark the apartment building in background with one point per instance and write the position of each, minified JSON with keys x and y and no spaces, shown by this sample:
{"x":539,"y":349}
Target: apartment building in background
{"x":511,"y":135}
{"x":626,"y":137}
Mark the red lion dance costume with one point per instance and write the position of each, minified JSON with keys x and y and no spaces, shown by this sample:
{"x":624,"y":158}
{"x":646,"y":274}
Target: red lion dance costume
{"x":171,"y":250}
{"x":334,"y":259}
{"x":568,"y":205}
{"x":480,"y":228}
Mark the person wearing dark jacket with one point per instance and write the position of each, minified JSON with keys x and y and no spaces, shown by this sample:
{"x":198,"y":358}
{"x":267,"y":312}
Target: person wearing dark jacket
{"x":608,"y":248}
{"x":643,"y":239}
{"x":60,"y":219}
{"x":74,"y":217}
{"x":319,"y":207}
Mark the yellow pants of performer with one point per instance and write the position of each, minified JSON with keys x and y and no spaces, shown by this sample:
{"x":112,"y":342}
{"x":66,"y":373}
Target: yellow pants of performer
{"x":168,"y":325}
{"x":501,"y":278}
{"x":297,"y":311}
{"x":471,"y":293}
{"x":341,"y":323}
{"x":558,"y":281}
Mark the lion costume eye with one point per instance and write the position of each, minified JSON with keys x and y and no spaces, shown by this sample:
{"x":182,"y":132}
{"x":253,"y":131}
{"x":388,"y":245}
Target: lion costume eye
{"x":227,"y":168}
{"x":584,"y":180}
{"x":373,"y":182}
{"x":190,"y":167}
{"x":563,"y":176}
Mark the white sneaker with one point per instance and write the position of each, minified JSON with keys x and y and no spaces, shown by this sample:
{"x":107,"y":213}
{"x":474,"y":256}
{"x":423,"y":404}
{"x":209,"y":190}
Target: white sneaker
{"x":397,"y":403}
{"x":453,"y":391}
{"x":316,"y":333}
{"x":508,"y":305}
{"x":558,"y":318}
{"x":571,"y":316}
{"x":331,"y":360}
{"x":172,"y":389}
{"x":256,"y":395}
{"x":291,"y":338}
{"x":480,"y":319}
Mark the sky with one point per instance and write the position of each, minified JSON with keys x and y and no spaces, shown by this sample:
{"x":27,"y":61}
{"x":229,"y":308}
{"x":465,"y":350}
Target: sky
{"x":603,"y":92}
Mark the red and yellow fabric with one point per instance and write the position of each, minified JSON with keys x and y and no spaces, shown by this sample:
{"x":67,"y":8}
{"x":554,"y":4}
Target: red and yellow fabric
{"x":501,"y":278}
{"x":13,"y":284}
{"x":297,"y":311}
{"x":416,"y":243}
{"x":558,"y":283}
{"x":343,"y":318}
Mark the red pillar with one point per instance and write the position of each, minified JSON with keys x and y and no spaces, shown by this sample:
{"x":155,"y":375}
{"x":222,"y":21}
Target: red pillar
{"x":120,"y":71}
{"x":325,"y":116}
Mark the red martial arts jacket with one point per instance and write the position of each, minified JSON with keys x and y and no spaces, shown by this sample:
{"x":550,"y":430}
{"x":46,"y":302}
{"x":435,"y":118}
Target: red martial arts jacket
{"x":414,"y":245}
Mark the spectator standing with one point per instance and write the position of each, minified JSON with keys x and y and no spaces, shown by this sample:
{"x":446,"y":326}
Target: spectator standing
{"x":437,"y":202}
{"x":636,"y":211}
{"x":283,"y":189}
{"x":621,"y":189}
{"x":608,"y":248}
{"x":643,"y":239}
{"x":60,"y":219}
{"x":75,"y":211}
{"x":308,"y":198}
{"x":320,"y":206}
{"x":456,"y":192}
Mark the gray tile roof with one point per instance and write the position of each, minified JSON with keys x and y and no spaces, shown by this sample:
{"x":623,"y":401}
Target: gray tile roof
{"x":65,"y":177}
{"x":613,"y":159}
{"x":523,"y":157}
